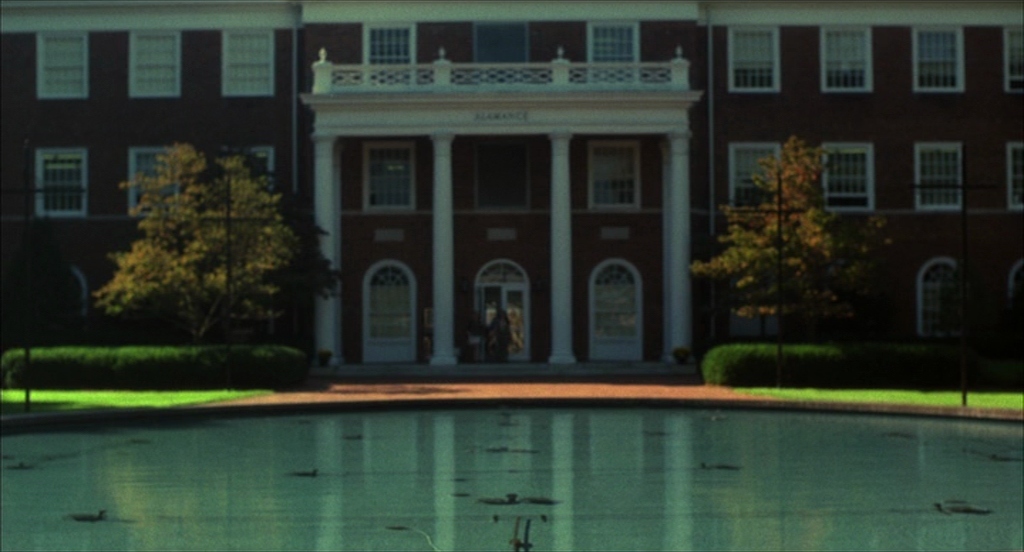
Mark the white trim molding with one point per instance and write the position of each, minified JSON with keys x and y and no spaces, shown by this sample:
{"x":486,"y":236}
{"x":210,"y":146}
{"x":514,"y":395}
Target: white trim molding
{"x":772,"y":56}
{"x":846,"y":75}
{"x":61,"y":72}
{"x":147,"y":69}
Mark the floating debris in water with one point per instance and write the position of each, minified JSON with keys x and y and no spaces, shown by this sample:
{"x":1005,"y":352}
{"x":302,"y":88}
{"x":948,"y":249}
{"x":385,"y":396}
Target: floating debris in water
{"x":540,"y":500}
{"x":460,"y":479}
{"x":899,"y":435}
{"x":510,"y":498}
{"x":460,"y":495}
{"x":311,"y":473}
{"x":89,"y":517}
{"x":511,"y":450}
{"x":949,"y":507}
{"x":354,"y":437}
{"x":656,"y":433}
{"x":137,"y":441}
{"x":728,"y":467}
{"x":21,"y":466}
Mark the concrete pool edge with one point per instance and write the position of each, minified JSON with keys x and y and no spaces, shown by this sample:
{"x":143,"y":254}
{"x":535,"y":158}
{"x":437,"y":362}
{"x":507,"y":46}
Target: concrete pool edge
{"x":15,"y":423}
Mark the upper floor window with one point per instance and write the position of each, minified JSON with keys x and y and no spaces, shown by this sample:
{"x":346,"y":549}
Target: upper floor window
{"x":390,"y":45}
{"x":500,"y":42}
{"x":743,"y":165}
{"x":846,"y":59}
{"x":1015,"y":175}
{"x":849,"y":177}
{"x":248,"y":63}
{"x":938,"y":60}
{"x":939,"y":175}
{"x":61,"y":176}
{"x":1013,"y":40}
{"x":613,"y":42}
{"x":754,"y":59}
{"x":154,"y":65}
{"x":389,"y":175}
{"x":62,"y":65}
{"x":614,"y":174}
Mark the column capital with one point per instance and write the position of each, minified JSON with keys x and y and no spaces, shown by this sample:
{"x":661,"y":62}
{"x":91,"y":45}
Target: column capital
{"x":682,"y":134}
{"x":442,"y":136}
{"x":559,"y":135}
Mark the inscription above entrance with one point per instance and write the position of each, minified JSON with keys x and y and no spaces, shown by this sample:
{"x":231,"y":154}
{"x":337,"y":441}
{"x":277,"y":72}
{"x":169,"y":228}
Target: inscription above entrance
{"x":500,"y":116}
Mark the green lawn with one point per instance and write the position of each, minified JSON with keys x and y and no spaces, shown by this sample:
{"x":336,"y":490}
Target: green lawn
{"x":52,"y":401}
{"x":980,"y":399}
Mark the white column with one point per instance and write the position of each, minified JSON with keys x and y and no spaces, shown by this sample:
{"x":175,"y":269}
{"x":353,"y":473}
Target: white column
{"x":327,"y":211}
{"x":561,"y":252}
{"x":444,"y":263}
{"x":679,"y":304}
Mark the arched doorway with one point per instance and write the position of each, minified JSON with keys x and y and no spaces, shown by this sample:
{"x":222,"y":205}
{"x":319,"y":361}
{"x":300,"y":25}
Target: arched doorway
{"x":616,"y":328}
{"x":503,"y":288}
{"x":389,"y":319}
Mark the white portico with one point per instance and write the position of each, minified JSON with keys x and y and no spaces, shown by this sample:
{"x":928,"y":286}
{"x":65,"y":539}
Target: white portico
{"x":560,"y":99}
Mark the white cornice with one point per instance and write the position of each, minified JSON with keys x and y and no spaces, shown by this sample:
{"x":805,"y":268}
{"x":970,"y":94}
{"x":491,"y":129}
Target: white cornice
{"x":370,"y":11}
{"x":121,"y":15}
{"x":463,"y":114}
{"x":876,"y":13}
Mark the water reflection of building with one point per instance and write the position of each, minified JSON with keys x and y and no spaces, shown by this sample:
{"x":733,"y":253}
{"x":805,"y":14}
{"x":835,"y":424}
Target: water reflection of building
{"x":581,"y":148}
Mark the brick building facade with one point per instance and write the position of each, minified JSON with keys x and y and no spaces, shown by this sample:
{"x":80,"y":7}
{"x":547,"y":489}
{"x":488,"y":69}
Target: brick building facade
{"x":561,"y":162}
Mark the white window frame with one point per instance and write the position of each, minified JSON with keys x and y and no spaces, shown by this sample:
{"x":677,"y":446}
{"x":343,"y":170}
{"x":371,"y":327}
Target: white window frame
{"x":925,"y":268}
{"x":367,"y":33}
{"x":920,"y":147}
{"x":865,"y":33}
{"x":133,"y":168}
{"x":869,"y":168}
{"x":42,"y":90}
{"x":634,"y":26}
{"x":958,"y":33}
{"x":368,"y":147}
{"x":1008,"y":77}
{"x":776,"y":85}
{"x":633,"y":145}
{"x":733,"y":174}
{"x":228,"y":89}
{"x":135,"y":65}
{"x":40,"y":197}
{"x":1018,"y":204}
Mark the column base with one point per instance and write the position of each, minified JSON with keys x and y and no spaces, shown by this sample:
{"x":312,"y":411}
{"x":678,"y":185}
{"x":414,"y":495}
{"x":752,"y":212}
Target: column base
{"x":562,"y":359}
{"x":443,"y":360}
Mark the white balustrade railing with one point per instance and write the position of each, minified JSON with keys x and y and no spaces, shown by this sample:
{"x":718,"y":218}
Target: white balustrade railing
{"x":443,"y":75}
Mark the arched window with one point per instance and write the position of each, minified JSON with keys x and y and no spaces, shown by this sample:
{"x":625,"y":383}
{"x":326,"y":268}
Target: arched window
{"x":615,"y":312}
{"x":937,"y":299}
{"x":83,"y":291}
{"x":1015,"y":284}
{"x":389,"y":314}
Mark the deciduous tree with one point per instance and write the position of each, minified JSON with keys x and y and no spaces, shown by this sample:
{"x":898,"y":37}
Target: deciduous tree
{"x":199,"y":226}
{"x":825,"y":257}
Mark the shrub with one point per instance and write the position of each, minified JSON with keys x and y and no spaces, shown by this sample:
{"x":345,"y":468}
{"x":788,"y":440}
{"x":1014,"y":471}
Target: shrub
{"x":156,"y":367}
{"x":890,"y":365}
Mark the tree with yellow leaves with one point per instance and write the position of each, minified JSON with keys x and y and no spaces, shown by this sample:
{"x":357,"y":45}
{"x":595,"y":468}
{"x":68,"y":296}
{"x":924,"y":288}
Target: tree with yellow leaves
{"x":202,"y":226}
{"x":825,"y":258}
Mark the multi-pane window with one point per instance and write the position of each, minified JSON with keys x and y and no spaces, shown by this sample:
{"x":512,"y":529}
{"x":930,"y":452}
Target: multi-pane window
{"x":1015,"y":175}
{"x":62,"y":65}
{"x":389,"y":304}
{"x":615,"y":302}
{"x":155,"y":64}
{"x":937,"y":299}
{"x":389,"y":45}
{"x":938,"y":60}
{"x":141,"y":162}
{"x":743,"y":165}
{"x":613,"y":42}
{"x":389,"y":175}
{"x":614,"y":174}
{"x":754,"y":59}
{"x":845,"y":60}
{"x":61,"y":177}
{"x":939,"y":177}
{"x":1013,"y":40}
{"x":248,"y":63}
{"x":848,"y":179}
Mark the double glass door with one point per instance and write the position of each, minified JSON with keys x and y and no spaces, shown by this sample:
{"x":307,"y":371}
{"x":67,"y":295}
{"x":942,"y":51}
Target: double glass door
{"x":503,"y":309}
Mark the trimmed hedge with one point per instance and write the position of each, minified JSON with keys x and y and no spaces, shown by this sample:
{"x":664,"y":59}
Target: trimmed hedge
{"x":845,"y":365}
{"x":157,"y":367}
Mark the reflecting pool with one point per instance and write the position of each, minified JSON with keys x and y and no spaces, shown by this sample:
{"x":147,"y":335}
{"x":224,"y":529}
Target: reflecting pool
{"x":494,"y":479}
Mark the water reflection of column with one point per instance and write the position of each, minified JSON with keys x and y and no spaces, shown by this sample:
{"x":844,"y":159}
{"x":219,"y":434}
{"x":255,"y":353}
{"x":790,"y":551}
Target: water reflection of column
{"x":444,"y":483}
{"x":678,"y":483}
{"x":327,"y":457}
{"x":562,"y":479}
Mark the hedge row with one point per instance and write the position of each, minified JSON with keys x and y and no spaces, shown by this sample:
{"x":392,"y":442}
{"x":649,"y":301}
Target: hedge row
{"x":156,"y":367}
{"x":846,"y":365}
